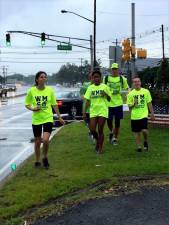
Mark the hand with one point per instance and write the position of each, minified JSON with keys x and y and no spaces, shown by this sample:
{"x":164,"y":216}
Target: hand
{"x":84,"y":116}
{"x":103,"y":93}
{"x":152,"y":117}
{"x":36,"y":109}
{"x":61,"y":121}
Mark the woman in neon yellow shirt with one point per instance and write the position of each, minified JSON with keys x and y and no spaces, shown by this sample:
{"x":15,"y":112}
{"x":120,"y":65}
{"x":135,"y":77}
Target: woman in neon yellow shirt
{"x":97,"y":97}
{"x":41,"y":99}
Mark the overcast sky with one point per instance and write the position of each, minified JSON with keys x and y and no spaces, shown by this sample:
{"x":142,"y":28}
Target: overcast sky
{"x":113,"y":21}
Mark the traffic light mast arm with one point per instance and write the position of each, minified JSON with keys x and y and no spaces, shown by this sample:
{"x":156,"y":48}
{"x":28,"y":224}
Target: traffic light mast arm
{"x":47,"y":37}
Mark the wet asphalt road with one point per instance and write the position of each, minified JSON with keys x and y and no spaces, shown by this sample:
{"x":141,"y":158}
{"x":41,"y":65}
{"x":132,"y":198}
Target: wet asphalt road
{"x":147,"y":207}
{"x":15,"y":133}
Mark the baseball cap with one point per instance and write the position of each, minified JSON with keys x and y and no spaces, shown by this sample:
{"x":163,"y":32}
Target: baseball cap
{"x":114,"y":66}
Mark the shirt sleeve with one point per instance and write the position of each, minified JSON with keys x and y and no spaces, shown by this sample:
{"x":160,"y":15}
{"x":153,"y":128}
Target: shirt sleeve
{"x":88,"y":93}
{"x":53,"y":98}
{"x":125,"y":84}
{"x":108,"y":92}
{"x":130,"y":99}
{"x":28,"y":98}
{"x":149,"y":98}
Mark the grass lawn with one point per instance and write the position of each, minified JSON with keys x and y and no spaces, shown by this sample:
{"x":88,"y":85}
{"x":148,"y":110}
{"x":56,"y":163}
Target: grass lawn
{"x":75,"y":165}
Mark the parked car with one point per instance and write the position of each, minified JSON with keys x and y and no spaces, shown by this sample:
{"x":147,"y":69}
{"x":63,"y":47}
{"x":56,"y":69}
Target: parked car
{"x":70,"y":105}
{"x":3,"y":91}
{"x":11,"y":87}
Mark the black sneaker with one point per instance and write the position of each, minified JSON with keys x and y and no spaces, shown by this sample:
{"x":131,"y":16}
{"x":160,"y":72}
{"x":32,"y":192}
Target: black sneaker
{"x":145,"y":146}
{"x":110,"y":138}
{"x":139,"y":150}
{"x":37,"y":164}
{"x":45,"y":163}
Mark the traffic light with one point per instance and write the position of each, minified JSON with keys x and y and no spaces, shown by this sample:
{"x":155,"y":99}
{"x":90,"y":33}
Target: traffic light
{"x":8,"y":40}
{"x":42,"y":38}
{"x":141,"y":53}
{"x":126,"y":50}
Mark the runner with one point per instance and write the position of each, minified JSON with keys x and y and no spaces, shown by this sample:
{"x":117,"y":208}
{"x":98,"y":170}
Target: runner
{"x":116,"y":83}
{"x":41,"y":99}
{"x":139,"y":102}
{"x":96,"y":97}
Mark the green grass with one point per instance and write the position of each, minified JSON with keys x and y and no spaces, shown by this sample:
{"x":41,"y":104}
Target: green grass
{"x":73,"y":166}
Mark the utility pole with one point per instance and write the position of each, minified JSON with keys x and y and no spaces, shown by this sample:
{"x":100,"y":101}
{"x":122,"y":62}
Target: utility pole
{"x":94,"y":34}
{"x":4,"y":73}
{"x":115,"y":51}
{"x":133,"y":69}
{"x":162,"y":30}
{"x":91,"y":52}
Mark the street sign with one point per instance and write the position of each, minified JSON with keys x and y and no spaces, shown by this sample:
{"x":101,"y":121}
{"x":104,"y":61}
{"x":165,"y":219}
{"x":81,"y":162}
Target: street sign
{"x":64,"y":47}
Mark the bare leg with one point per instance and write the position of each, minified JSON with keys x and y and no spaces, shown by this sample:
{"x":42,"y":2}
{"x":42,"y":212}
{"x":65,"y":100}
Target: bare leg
{"x":138,"y":139}
{"x":37,"y":148}
{"x":101,"y":123}
{"x":93,"y":125}
{"x":145,"y":134}
{"x":46,"y":136}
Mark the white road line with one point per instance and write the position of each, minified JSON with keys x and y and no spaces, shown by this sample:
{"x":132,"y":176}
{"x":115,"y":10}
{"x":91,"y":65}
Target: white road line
{"x":14,"y":118}
{"x":14,"y":159}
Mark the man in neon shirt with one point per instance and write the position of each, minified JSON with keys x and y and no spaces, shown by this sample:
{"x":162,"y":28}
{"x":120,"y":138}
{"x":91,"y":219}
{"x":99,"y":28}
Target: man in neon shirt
{"x":116,"y":83}
{"x":139,"y":101}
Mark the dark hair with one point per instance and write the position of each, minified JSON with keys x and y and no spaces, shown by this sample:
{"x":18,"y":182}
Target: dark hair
{"x":136,"y":76}
{"x":96,"y":71}
{"x":38,"y":75}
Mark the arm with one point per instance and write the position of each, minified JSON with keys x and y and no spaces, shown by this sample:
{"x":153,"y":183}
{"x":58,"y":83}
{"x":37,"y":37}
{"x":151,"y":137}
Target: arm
{"x":150,"y":107}
{"x":86,"y":106}
{"x":36,"y":109}
{"x":56,"y":109}
{"x":107,"y":96}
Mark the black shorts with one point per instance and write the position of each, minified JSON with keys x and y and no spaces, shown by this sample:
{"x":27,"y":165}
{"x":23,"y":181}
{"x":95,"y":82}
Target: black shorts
{"x":37,"y":129}
{"x":139,"y":125}
{"x":116,"y":112}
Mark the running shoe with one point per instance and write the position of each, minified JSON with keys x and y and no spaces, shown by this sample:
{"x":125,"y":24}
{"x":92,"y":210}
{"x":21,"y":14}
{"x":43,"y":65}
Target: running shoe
{"x":45,"y":163}
{"x":37,"y":164}
{"x":145,"y":146}
{"x":139,"y":149}
{"x":115,"y":141}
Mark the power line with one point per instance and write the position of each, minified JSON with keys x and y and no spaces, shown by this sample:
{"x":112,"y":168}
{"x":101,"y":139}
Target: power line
{"x":126,"y":14}
{"x":33,"y":62}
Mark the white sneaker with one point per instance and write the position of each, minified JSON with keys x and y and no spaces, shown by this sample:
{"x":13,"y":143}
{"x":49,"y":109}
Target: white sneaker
{"x":115,"y":141}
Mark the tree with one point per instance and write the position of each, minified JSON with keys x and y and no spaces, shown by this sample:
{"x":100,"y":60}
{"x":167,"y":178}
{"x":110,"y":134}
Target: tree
{"x":163,"y":75}
{"x":149,"y":77}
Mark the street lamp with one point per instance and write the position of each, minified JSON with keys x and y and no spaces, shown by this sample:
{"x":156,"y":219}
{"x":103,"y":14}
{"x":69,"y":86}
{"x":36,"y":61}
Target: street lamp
{"x":94,"y":29}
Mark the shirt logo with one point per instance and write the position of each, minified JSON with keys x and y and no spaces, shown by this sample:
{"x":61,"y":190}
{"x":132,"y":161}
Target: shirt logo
{"x":41,"y":101}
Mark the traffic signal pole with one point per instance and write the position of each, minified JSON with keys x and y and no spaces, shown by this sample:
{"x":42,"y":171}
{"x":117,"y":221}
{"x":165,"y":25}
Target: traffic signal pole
{"x":133,"y":69}
{"x":162,"y":30}
{"x":52,"y":37}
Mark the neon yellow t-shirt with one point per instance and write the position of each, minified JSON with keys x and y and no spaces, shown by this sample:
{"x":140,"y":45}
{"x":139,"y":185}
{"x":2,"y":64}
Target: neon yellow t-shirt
{"x":45,"y":99}
{"x":142,"y":97}
{"x":98,"y":102}
{"x":116,"y":87}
